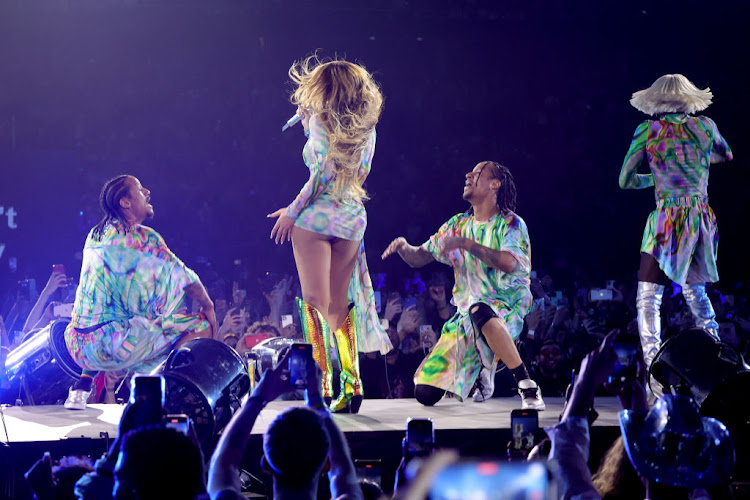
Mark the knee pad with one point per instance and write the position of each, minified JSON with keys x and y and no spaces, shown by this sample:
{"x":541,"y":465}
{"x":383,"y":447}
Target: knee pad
{"x":480,"y":313}
{"x":427,"y":394}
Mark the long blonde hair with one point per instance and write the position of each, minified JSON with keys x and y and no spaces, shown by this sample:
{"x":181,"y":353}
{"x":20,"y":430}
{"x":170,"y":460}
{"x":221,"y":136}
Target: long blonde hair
{"x":347,"y":102}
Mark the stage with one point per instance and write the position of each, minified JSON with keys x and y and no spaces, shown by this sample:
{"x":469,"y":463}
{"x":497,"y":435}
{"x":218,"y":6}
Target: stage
{"x":476,"y":429}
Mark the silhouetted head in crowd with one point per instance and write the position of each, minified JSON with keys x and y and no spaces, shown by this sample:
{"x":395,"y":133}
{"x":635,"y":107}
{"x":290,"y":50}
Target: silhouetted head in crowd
{"x":295,"y":449}
{"x":157,"y":463}
{"x":66,"y":472}
{"x":123,"y":199}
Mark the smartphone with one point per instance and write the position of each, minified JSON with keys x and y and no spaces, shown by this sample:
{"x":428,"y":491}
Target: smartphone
{"x":58,"y":268}
{"x":63,"y":310}
{"x":610,"y":284}
{"x":409,"y":301}
{"x":600,"y":294}
{"x":498,"y":479}
{"x":524,"y":425}
{"x":180,"y":423}
{"x":149,"y":391}
{"x":253,"y":340}
{"x":378,"y":302}
{"x":385,"y":324}
{"x":626,"y":366}
{"x":300,"y":364}
{"x":532,"y":275}
{"x":286,"y":320}
{"x":420,"y":436}
{"x":538,"y":304}
{"x":369,"y":469}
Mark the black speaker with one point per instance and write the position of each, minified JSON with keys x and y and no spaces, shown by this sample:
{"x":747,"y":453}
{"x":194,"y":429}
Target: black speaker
{"x":205,"y":379}
{"x":43,"y":366}
{"x":713,"y":373}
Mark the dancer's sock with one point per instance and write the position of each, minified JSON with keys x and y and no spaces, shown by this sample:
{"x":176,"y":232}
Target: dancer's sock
{"x":84,"y":383}
{"x":520,"y":372}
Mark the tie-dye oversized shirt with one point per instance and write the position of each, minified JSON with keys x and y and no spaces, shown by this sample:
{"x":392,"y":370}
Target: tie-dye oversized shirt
{"x":475,"y":280}
{"x":679,"y":149}
{"x":125,"y":275}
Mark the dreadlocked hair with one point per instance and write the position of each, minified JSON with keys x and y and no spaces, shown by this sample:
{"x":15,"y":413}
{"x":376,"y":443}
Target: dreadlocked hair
{"x":506,"y":195}
{"x":347,"y":102}
{"x":109,"y":200}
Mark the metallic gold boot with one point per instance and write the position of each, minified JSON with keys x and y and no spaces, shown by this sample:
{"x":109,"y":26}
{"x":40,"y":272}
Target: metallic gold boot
{"x":700,"y":305}
{"x":350,"y":397}
{"x":316,"y":332}
{"x":648,"y":305}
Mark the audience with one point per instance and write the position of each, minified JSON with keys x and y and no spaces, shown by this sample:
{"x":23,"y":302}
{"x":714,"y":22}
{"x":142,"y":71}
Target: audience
{"x":564,"y":328}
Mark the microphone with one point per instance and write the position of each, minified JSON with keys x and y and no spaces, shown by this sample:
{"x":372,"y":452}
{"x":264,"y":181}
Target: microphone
{"x":291,"y":121}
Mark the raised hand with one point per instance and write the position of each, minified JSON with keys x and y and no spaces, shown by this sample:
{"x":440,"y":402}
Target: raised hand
{"x":56,"y":280}
{"x":392,"y":308}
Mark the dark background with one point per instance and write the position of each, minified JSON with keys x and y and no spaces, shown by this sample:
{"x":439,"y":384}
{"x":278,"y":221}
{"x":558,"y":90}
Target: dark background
{"x":189,"y":96}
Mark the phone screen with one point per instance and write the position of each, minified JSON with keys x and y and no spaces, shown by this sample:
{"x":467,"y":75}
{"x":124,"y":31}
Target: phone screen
{"x":180,"y":423}
{"x":58,"y":268}
{"x":369,"y":469}
{"x":409,"y":302}
{"x":626,"y":368}
{"x":420,"y":436}
{"x":524,"y":425}
{"x":492,"y":479}
{"x":149,"y":391}
{"x":300,"y":363}
{"x":378,"y":303}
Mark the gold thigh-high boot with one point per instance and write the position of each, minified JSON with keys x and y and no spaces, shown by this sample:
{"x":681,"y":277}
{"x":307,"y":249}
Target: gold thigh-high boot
{"x":350,"y":398}
{"x":700,"y":305}
{"x":316,"y":332}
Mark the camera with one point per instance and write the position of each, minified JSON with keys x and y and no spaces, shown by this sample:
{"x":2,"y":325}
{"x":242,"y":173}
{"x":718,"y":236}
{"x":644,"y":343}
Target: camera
{"x":150,"y":392}
{"x":420,"y":437}
{"x":600,"y":294}
{"x":300,"y":365}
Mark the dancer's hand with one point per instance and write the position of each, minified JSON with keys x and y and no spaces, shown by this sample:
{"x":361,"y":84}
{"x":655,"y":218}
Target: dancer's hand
{"x":282,"y":230}
{"x":396,"y":245}
{"x":453,"y":243}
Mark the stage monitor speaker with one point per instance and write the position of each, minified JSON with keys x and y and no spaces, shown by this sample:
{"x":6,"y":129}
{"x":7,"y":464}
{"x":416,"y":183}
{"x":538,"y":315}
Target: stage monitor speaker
{"x":205,"y":380}
{"x":266,"y":355}
{"x":43,"y":366}
{"x":713,"y":373}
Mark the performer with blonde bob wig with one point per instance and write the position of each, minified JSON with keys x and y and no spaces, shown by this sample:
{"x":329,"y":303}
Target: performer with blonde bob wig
{"x":340,"y":104}
{"x":680,"y":240}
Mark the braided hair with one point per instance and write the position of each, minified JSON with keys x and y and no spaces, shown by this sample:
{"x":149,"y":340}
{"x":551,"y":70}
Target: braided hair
{"x":506,"y":195}
{"x":109,"y":200}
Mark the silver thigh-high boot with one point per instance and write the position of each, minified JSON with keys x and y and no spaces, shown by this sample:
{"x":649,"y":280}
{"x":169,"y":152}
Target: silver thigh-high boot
{"x":648,"y":304}
{"x":700,"y":306}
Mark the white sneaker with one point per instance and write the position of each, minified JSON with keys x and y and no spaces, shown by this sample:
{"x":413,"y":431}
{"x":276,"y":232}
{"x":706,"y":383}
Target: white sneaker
{"x":485,"y":384}
{"x":77,"y":399}
{"x":531,"y":395}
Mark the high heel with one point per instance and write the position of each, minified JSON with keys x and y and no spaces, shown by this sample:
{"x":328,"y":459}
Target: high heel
{"x":316,"y":332}
{"x":350,"y":397}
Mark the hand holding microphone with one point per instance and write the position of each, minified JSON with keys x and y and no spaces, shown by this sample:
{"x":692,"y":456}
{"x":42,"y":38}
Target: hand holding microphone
{"x":302,"y":115}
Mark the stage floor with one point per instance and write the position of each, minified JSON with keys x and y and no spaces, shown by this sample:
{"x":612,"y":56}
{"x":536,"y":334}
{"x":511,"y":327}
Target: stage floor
{"x":52,"y":423}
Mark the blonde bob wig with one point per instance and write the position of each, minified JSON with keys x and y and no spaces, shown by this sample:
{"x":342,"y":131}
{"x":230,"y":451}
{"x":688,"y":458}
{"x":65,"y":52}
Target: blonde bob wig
{"x":672,"y":94}
{"x":347,"y":102}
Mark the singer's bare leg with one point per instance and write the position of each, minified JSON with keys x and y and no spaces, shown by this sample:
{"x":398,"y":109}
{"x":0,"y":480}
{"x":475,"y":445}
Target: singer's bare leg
{"x":325,"y":266}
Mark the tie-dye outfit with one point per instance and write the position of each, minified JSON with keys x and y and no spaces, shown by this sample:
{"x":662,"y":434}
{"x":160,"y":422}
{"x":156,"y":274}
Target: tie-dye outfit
{"x":316,"y":209}
{"x":125,"y":313}
{"x":457,"y":358}
{"x":681,"y":233}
